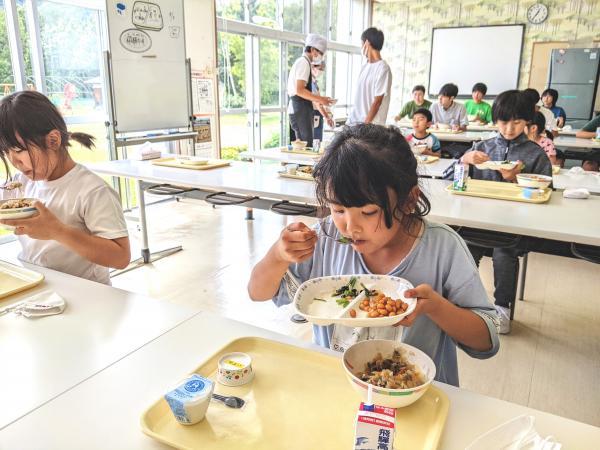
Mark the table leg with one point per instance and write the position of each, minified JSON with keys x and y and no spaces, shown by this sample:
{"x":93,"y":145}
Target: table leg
{"x":143,"y":228}
{"x":249,"y":214}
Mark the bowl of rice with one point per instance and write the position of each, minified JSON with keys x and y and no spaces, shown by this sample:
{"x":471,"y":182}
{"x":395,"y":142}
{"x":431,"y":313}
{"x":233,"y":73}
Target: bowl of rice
{"x":17,"y":208}
{"x":399,"y":373}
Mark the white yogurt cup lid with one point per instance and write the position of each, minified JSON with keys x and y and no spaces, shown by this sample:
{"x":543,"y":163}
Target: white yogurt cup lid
{"x":235,"y":361}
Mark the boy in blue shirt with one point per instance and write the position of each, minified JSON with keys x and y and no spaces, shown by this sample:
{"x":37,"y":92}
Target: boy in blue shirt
{"x":511,"y":112}
{"x":549,"y":99}
{"x":421,"y":121}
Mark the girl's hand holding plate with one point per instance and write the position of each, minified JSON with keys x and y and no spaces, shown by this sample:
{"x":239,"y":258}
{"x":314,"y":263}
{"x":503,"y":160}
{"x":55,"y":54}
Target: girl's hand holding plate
{"x":43,"y":226}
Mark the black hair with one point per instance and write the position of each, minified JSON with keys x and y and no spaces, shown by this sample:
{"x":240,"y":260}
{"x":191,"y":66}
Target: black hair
{"x":374,"y":36}
{"x":361,"y":164}
{"x":449,"y":90}
{"x":539,"y":120}
{"x":512,"y":105}
{"x":419,"y":87}
{"x":553,"y":93}
{"x":424,"y":112}
{"x":479,"y":87}
{"x":532,"y":94}
{"x":309,"y":48}
{"x":31,"y":116}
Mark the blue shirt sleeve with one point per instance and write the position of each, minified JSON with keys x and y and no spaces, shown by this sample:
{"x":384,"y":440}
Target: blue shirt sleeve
{"x":436,"y":146}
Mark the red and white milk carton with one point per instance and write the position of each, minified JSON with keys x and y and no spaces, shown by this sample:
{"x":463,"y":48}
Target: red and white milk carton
{"x":375,"y":427}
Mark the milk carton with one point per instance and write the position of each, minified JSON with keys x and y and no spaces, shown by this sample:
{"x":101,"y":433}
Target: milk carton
{"x":374,"y":428}
{"x":461,"y":172}
{"x":190,"y":398}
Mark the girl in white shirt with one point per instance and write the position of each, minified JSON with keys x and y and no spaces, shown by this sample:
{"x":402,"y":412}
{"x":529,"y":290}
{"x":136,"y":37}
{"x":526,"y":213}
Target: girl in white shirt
{"x":80,"y":228}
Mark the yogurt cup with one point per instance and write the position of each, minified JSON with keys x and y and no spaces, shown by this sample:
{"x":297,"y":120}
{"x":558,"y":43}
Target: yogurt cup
{"x":235,"y":369}
{"x":291,"y":169}
{"x":190,"y":399}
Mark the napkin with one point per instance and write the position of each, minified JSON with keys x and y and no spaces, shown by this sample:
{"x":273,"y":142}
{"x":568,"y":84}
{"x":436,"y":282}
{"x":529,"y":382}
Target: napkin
{"x":576,"y":170}
{"x":516,"y":434}
{"x":145,"y":151}
{"x":43,"y":304}
{"x":581,"y":193}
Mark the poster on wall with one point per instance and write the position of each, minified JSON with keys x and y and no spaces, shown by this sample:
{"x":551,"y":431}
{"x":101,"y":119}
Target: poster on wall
{"x":202,"y":95}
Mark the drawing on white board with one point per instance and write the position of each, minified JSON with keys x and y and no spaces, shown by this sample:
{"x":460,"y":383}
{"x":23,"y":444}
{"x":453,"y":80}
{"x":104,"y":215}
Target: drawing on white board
{"x":171,"y":16}
{"x":174,"y":32}
{"x":121,"y":8}
{"x":136,"y":41}
{"x":147,"y":16}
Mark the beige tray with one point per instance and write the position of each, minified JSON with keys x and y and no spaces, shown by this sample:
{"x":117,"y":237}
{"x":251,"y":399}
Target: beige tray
{"x":439,"y":131}
{"x":15,"y":279}
{"x":501,"y":191}
{"x":172,"y":162}
{"x":296,"y":177}
{"x":430,"y":159}
{"x":299,"y":399}
{"x":301,"y":152}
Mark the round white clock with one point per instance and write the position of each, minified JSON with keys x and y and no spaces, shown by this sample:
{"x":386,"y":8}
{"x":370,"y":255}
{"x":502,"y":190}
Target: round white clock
{"x":537,"y":13}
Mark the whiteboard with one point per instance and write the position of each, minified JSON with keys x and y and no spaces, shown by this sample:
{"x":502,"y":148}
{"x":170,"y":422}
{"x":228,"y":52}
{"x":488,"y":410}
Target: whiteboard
{"x":150,"y":86}
{"x":468,"y":55}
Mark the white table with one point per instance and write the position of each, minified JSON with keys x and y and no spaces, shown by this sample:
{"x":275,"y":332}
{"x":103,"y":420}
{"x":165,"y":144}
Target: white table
{"x":104,"y":411}
{"x":566,"y":220}
{"x":434,"y":170}
{"x":561,"y":219}
{"x":44,"y":357}
{"x":588,"y":180}
{"x":575,"y":143}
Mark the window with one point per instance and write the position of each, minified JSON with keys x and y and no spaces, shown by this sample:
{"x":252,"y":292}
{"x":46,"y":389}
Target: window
{"x":232,"y":94}
{"x":293,"y":15}
{"x":254,"y":64}
{"x":231,"y":9}
{"x":319,"y":17}
{"x":7,"y":80}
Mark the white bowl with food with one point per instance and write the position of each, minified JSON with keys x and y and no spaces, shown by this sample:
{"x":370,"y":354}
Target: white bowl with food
{"x":342,"y":299}
{"x":419,"y":148}
{"x":533,"y":180}
{"x":497,"y":165}
{"x":19,"y":208}
{"x":442,"y":126}
{"x":299,"y":145}
{"x":192,"y":160}
{"x":405,"y":369}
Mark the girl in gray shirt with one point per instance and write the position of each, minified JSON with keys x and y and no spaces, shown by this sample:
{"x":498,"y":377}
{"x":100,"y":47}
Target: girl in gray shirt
{"x":368,"y":180}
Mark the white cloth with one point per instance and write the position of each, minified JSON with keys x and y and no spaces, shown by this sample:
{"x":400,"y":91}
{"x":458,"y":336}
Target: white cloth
{"x":300,"y":71}
{"x":549,"y":116}
{"x":317,"y":41}
{"x":456,"y":113}
{"x":374,"y":80}
{"x":80,"y":199}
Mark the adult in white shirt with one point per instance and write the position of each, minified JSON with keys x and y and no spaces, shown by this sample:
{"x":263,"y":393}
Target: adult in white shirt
{"x":372,"y":94}
{"x":299,"y":89}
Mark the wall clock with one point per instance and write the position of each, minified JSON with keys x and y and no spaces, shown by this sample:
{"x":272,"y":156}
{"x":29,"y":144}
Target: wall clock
{"x":537,"y":13}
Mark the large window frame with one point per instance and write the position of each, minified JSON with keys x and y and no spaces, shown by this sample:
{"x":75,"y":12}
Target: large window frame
{"x":253,"y":33}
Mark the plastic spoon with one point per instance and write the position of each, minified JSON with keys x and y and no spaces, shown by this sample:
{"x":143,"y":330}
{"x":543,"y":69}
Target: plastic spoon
{"x":231,"y":401}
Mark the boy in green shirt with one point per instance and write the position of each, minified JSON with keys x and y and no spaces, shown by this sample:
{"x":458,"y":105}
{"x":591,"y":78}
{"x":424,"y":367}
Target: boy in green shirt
{"x":477,"y":109}
{"x":417,"y":102}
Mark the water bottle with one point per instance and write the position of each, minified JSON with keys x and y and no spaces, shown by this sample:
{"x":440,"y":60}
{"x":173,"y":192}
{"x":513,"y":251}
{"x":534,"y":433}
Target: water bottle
{"x":461,"y":172}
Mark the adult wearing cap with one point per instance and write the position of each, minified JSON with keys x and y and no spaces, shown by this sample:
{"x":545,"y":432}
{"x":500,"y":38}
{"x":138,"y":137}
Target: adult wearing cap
{"x":300,"y":107}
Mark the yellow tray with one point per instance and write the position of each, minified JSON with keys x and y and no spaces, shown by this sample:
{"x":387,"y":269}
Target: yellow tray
{"x":296,"y":177}
{"x":449,"y":131}
{"x":500,"y":191}
{"x":299,"y":399}
{"x":428,"y":159}
{"x":301,"y":152}
{"x":172,"y":162}
{"x":15,"y":279}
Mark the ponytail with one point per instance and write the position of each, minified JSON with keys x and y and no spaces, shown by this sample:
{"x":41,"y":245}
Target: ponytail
{"x":87,"y":140}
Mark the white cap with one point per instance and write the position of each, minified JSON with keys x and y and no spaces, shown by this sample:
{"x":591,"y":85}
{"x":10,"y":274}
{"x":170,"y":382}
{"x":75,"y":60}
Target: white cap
{"x":317,"y":41}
